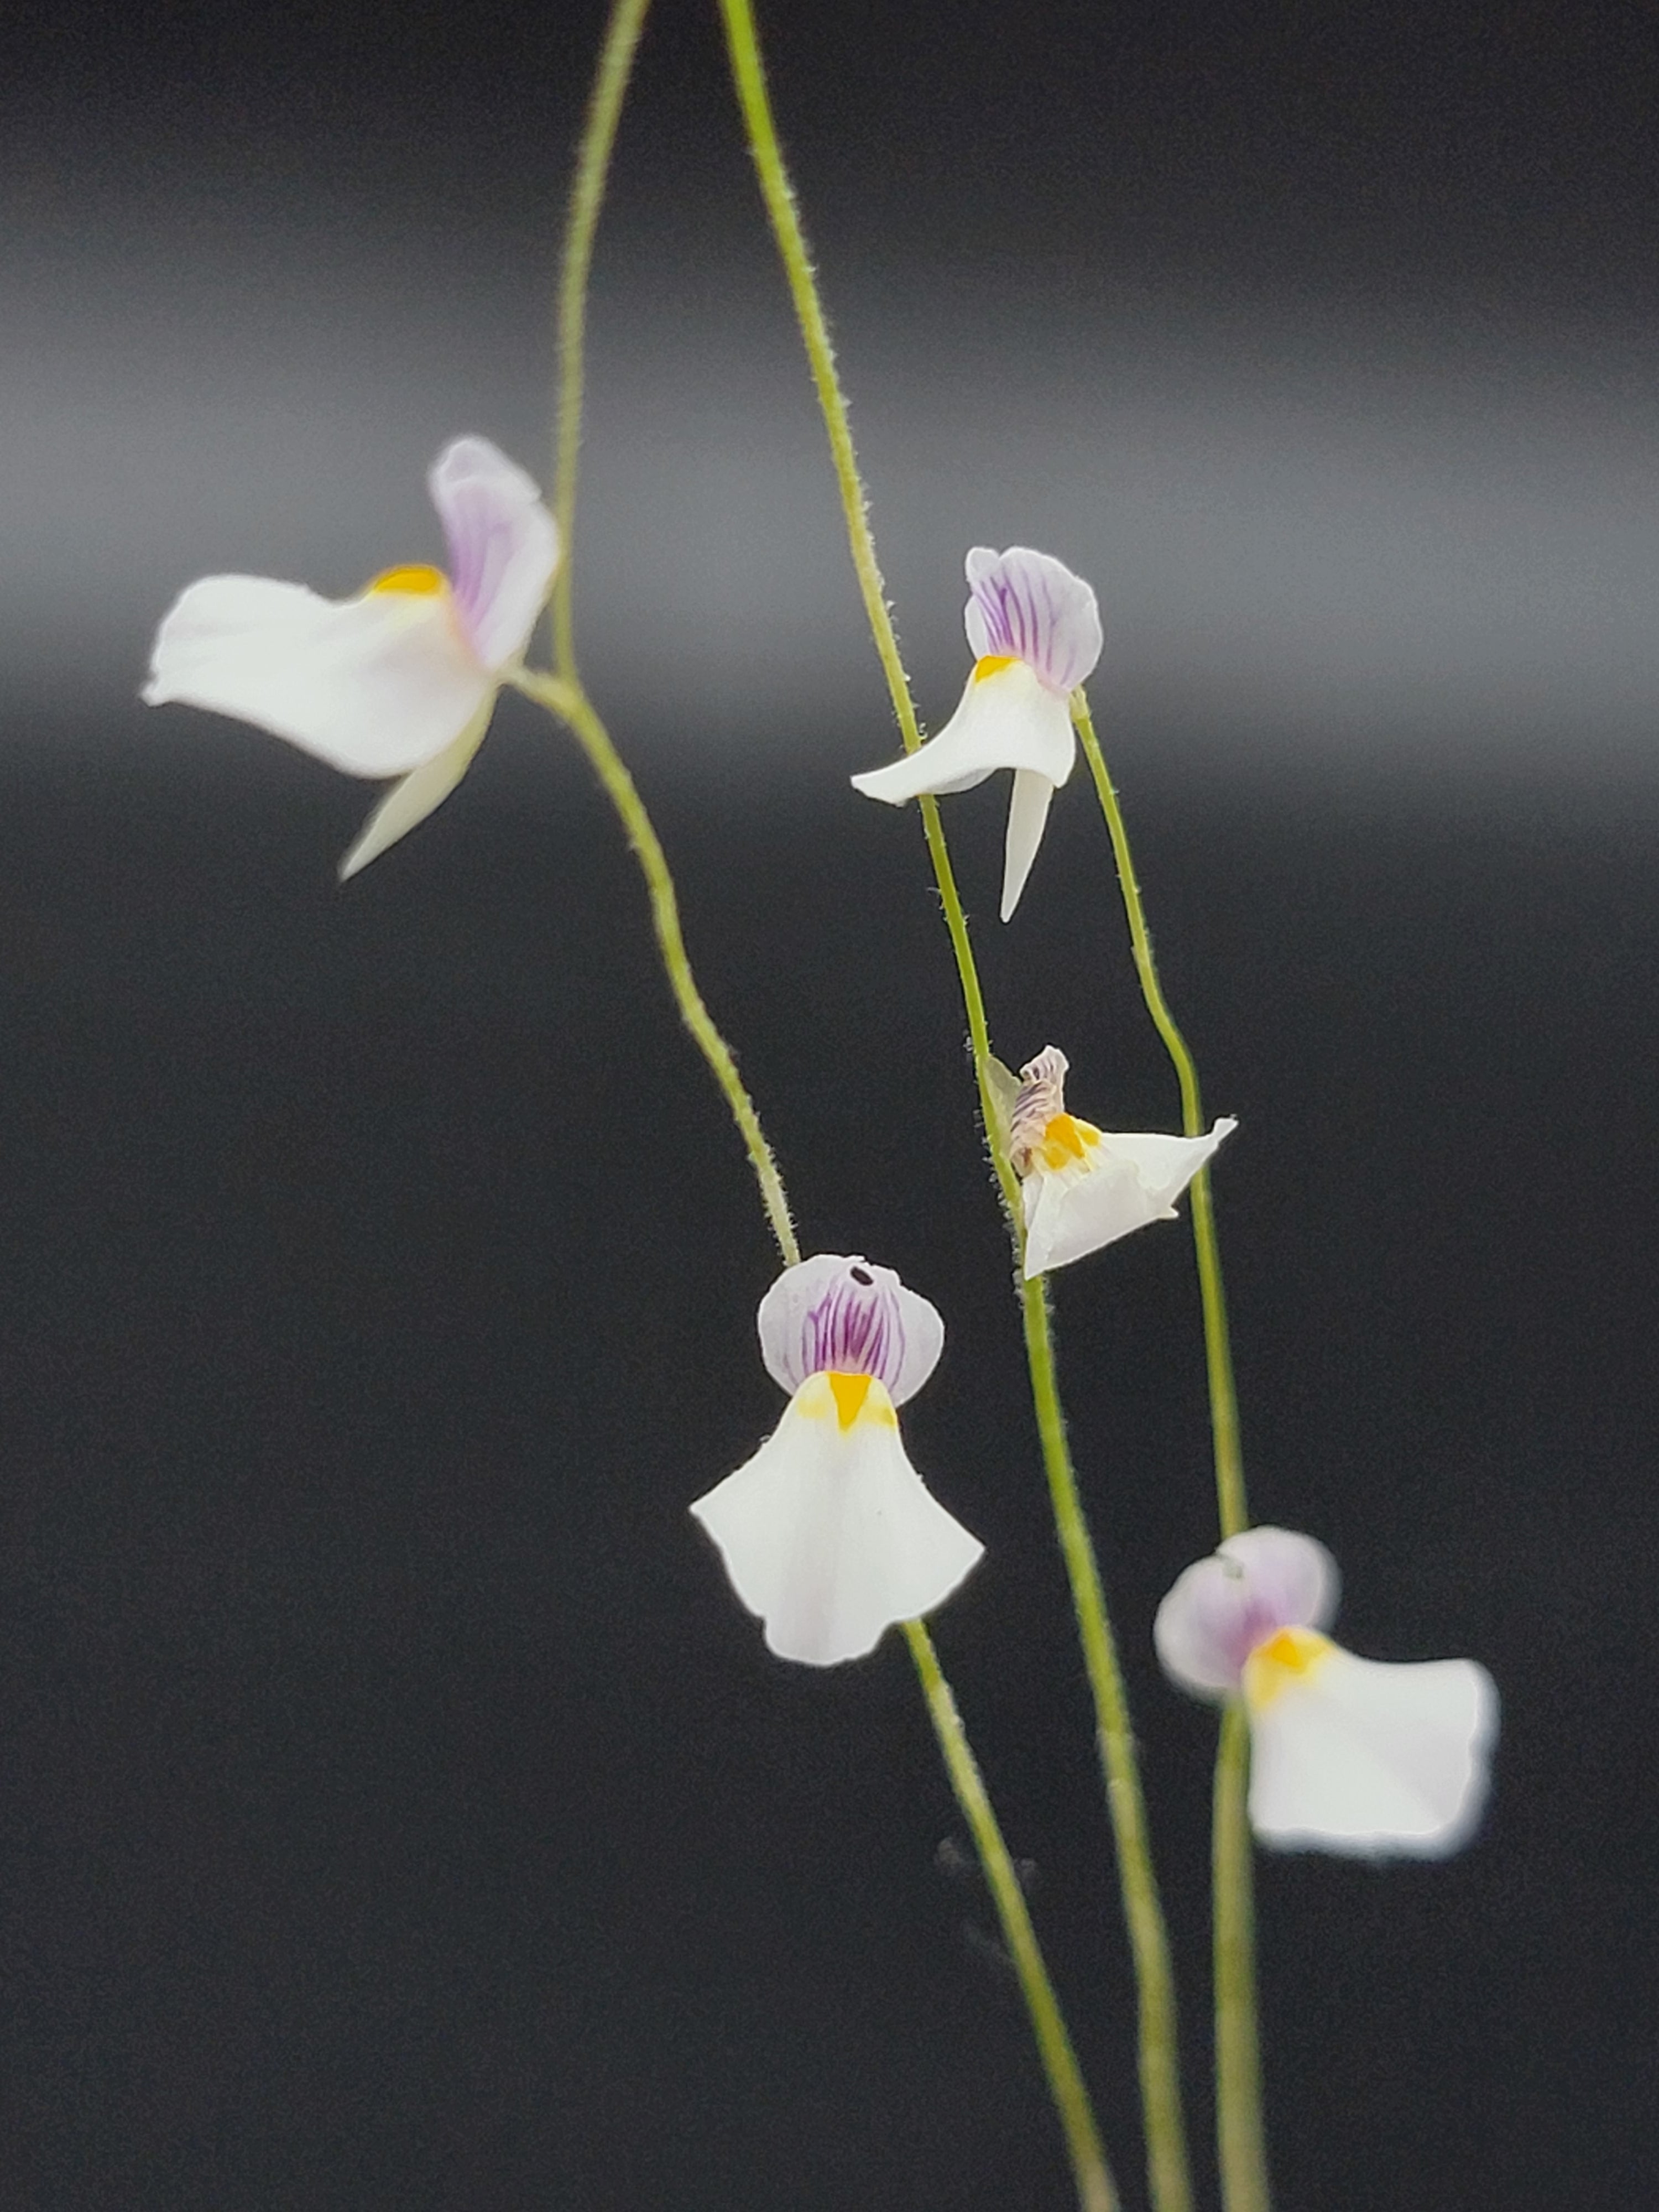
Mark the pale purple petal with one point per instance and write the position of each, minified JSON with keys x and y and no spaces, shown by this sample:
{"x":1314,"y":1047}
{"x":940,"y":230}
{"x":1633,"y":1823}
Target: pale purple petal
{"x":837,"y":1312}
{"x":503,"y":546}
{"x":1219,"y":1610}
{"x":1031,"y":607}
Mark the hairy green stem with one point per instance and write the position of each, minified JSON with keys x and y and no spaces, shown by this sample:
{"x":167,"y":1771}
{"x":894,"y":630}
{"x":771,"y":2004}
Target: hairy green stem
{"x":1094,"y":2189}
{"x":573,"y":707}
{"x":1239,"y":2135}
{"x":1159,"y":2069}
{"x":1159,"y":2046}
{"x":1240,"y":2132}
{"x":604,"y":106}
{"x":563,"y":694}
{"x":1218,"y":1347}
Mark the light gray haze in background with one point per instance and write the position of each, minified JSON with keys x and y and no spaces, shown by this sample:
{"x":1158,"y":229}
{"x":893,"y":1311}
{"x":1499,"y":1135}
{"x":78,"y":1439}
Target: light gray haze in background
{"x":1311,"y":527}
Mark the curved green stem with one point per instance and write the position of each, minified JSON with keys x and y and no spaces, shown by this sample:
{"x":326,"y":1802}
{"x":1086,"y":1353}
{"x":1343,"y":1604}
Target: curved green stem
{"x":573,"y":707}
{"x":562,"y":695}
{"x":621,"y":40}
{"x":1218,"y":1347}
{"x":1160,"y":2047}
{"x":1239,"y":2127}
{"x":742,"y":43}
{"x":1159,"y":2068}
{"x":1094,"y":2189}
{"x":1094,"y":2184}
{"x":1240,"y":2140}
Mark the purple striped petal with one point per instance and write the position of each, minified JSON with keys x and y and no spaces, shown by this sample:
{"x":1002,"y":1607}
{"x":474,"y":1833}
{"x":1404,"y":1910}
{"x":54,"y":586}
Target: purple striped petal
{"x":1031,"y":607}
{"x":503,"y":546}
{"x":838,"y":1314}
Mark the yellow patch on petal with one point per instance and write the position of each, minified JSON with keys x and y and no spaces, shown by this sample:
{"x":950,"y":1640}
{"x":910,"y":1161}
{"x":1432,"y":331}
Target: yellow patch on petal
{"x":1066,"y":1140}
{"x":420,"y":580}
{"x":852,"y":1398}
{"x":993,"y":664}
{"x":849,"y":1392}
{"x":1284,"y":1658}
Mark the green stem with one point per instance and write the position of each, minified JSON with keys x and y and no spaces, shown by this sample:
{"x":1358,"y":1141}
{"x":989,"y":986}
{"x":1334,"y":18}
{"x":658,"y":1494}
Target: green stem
{"x":1238,"y":2051}
{"x":573,"y":707}
{"x":743,"y":42}
{"x":1239,"y":2126}
{"x":1159,"y":2048}
{"x":1095,"y":2189}
{"x":1218,"y":1347}
{"x":1094,"y":2183}
{"x":562,"y":695}
{"x":622,"y":38}
{"x":1159,"y":2065}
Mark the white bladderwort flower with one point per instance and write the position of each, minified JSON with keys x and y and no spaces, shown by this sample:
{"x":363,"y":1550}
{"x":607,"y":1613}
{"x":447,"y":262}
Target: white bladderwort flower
{"x":827,"y":1533}
{"x":400,"y":681}
{"x":1034,"y":630}
{"x":1083,"y":1186}
{"x":1347,"y":1754}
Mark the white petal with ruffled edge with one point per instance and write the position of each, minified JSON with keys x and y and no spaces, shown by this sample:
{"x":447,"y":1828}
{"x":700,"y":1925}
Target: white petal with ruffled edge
{"x":1117,"y":1182}
{"x":503,"y":546}
{"x":1353,"y":1755}
{"x":1006,"y":719}
{"x":1220,"y":1608}
{"x":417,"y":794}
{"x":1031,"y":604}
{"x":375,"y":685}
{"x":827,"y":1533}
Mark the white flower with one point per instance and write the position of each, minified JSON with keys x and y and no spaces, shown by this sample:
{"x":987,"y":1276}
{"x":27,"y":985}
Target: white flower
{"x":1347,"y":1754}
{"x":399,"y":681}
{"x":1034,"y":630}
{"x":827,"y":1533}
{"x":1083,"y":1186}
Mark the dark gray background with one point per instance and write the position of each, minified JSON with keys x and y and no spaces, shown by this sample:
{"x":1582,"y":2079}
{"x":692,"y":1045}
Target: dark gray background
{"x":395,"y":1808}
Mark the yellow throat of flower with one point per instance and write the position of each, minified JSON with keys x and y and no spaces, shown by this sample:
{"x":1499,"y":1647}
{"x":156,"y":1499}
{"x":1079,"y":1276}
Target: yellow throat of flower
{"x":853,"y":1400}
{"x":1065,"y":1142}
{"x":417,"y":580}
{"x":993,"y":664}
{"x":1286,"y":1658}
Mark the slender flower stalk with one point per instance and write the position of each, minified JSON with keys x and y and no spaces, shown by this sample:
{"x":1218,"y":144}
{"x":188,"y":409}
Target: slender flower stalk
{"x":1166,"y":2149}
{"x":1095,"y":2193}
{"x":1218,"y":1347}
{"x":562,"y":695}
{"x":1240,"y":2144}
{"x":565,"y":698}
{"x":1240,"y":2130}
{"x":1160,"y":2047}
{"x":622,"y":40}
